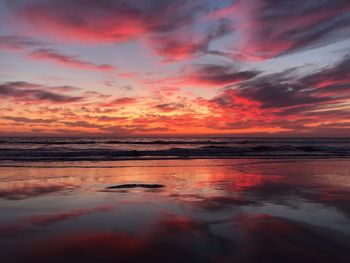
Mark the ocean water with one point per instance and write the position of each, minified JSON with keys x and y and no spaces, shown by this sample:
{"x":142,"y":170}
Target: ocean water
{"x":104,"y":149}
{"x":246,"y":200}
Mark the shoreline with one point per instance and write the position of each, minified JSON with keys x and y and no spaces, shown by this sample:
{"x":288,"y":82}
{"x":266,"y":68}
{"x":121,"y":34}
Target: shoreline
{"x":169,"y":158}
{"x":123,"y":163}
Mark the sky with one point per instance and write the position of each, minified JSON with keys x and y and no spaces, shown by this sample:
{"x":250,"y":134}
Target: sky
{"x":174,"y":68}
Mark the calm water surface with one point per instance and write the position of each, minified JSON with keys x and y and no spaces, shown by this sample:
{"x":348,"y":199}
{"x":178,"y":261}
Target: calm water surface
{"x":238,"y":210}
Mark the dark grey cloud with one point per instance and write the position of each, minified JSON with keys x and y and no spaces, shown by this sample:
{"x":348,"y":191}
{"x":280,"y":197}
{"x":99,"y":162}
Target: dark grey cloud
{"x":272,"y":95}
{"x":219,"y":74}
{"x":288,"y":93}
{"x":337,"y":73}
{"x":19,"y":42}
{"x":28,"y":120}
{"x":29,"y":92}
{"x":280,"y":27}
{"x":169,"y":107}
{"x":120,"y":102}
{"x":67,"y":60}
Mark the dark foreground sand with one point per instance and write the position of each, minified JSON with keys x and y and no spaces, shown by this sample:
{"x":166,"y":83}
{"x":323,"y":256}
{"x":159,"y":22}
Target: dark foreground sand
{"x":176,"y":211}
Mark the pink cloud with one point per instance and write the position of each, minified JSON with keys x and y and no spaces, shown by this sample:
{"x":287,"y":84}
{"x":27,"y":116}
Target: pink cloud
{"x":104,"y":21}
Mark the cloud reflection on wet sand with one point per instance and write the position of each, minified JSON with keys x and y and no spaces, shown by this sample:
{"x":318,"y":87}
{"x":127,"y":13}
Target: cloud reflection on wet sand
{"x":208,"y":211}
{"x":251,"y":238}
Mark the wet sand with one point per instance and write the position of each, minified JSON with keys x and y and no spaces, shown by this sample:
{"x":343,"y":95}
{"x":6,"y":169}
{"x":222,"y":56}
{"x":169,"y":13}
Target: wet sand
{"x":238,"y":210}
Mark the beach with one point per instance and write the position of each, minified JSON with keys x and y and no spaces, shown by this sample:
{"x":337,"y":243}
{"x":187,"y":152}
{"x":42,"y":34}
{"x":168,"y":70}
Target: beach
{"x":202,"y":210}
{"x":174,"y":131}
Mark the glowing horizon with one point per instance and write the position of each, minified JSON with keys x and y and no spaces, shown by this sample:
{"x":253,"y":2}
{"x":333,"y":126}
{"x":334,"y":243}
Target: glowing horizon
{"x":174,"y":68}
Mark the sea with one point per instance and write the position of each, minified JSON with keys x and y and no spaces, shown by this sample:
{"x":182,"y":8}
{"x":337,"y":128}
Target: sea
{"x":200,"y":200}
{"x":106,"y":149}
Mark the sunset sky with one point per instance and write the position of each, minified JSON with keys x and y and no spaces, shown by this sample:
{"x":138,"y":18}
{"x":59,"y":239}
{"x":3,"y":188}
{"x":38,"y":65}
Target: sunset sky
{"x":174,"y":67}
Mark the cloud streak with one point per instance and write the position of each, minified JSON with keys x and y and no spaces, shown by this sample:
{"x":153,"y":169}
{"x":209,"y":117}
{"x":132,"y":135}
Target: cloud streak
{"x":67,"y":60}
{"x":301,"y":25}
{"x":18,"y":42}
{"x":214,"y":74}
{"x":26,"y":92}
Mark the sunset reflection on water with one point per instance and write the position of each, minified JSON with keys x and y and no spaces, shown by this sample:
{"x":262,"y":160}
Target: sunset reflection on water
{"x":207,"y":211}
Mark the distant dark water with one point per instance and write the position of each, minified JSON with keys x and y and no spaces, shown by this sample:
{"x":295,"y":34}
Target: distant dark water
{"x":57,"y":149}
